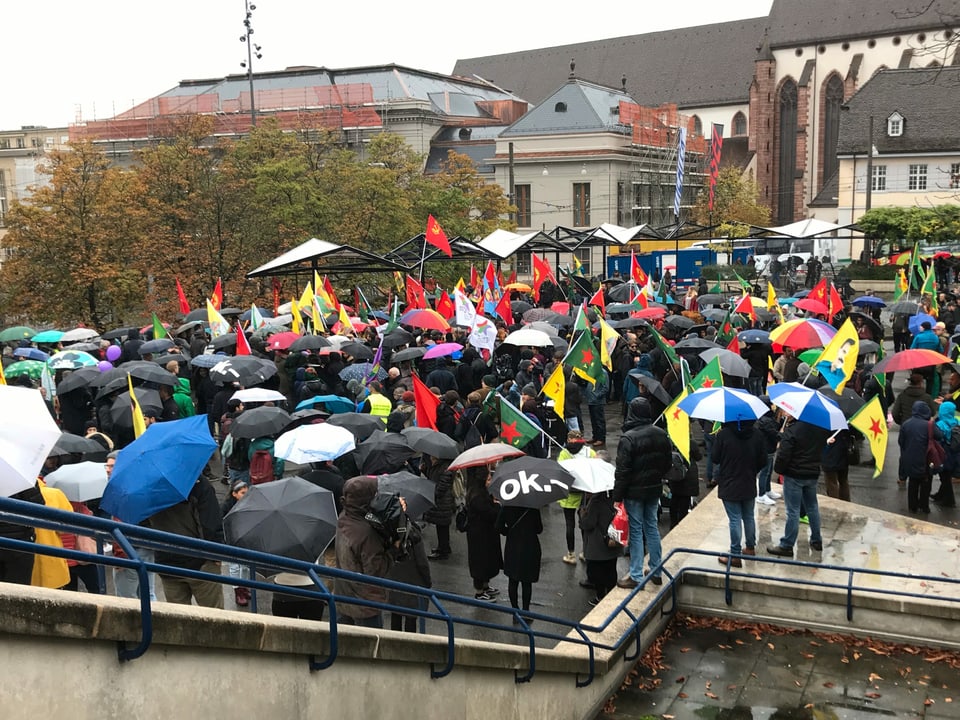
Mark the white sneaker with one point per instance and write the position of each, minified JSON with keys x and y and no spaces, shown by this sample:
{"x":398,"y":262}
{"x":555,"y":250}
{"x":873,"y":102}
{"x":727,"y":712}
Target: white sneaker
{"x":764,"y":500}
{"x":774,"y":495}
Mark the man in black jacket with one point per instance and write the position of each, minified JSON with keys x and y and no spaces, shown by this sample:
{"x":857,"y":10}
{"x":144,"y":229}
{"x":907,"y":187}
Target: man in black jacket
{"x":798,"y":460}
{"x":644,"y":456}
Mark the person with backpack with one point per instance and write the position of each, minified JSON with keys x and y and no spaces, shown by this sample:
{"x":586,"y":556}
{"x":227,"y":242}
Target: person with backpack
{"x":740,"y":454}
{"x":575,"y":446}
{"x":835,"y":463}
{"x":947,"y":432}
{"x":264,"y":465}
{"x":683,"y":480}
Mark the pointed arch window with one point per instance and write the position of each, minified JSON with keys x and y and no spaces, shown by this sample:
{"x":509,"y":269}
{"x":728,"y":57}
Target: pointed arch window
{"x":832,"y":100}
{"x":739,"y":124}
{"x":787,"y":159}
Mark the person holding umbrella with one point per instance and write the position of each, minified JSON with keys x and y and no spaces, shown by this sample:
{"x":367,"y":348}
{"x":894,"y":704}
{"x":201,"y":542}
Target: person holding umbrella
{"x":441,"y":514}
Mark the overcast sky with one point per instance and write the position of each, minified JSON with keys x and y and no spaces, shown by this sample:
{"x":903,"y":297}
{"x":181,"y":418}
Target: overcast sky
{"x":67,"y":61}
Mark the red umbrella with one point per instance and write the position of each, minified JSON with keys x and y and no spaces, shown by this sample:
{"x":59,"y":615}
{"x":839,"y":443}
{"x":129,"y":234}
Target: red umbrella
{"x":426,"y":319}
{"x":908,"y":360}
{"x":941,"y":254}
{"x":561,"y":307}
{"x":814,"y":306}
{"x":650,"y":313}
{"x":281,"y":341}
{"x":484,"y":454}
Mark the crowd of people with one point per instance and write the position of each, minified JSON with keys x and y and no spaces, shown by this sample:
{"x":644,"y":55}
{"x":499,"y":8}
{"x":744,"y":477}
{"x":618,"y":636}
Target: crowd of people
{"x":642,"y":379}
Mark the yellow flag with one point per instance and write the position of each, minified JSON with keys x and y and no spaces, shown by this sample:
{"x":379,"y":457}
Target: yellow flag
{"x":839,"y":358}
{"x":678,"y":425}
{"x":317,"y":315}
{"x":218,"y":325}
{"x":345,"y":323}
{"x":872,"y":422}
{"x":139,"y":424}
{"x":555,"y":388}
{"x":461,"y":286}
{"x":3,"y":378}
{"x":306,"y":297}
{"x":295,"y":311}
{"x":772,"y":303}
{"x":608,"y":341}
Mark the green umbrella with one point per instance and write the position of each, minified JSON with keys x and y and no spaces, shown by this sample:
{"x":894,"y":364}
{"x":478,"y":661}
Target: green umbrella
{"x":810,"y":356}
{"x":31,"y":368}
{"x":19,"y":332}
{"x":48,"y":336}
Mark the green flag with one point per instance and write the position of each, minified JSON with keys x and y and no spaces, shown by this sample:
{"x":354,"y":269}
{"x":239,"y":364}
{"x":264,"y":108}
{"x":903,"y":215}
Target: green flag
{"x":584,"y":358}
{"x":158,"y":330}
{"x":665,"y":346}
{"x":915,"y":276}
{"x":515,"y":428}
{"x":717,"y":289}
{"x":930,"y":288}
{"x":394,"y":315}
{"x":747,"y":287}
{"x":581,"y":323}
{"x":710,"y":377}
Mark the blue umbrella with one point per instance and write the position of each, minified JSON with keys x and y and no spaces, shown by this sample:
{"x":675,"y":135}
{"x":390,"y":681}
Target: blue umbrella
{"x":47,"y":336}
{"x":755,"y":336}
{"x":359,"y":372}
{"x":723,"y":404}
{"x":30,"y":353}
{"x":158,"y":469}
{"x":333,"y":403}
{"x":807,"y":405}
{"x":869,"y":301}
{"x":916,"y":320}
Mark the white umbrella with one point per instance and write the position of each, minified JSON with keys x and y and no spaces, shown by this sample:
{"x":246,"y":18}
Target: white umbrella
{"x":27,"y":435}
{"x":256,"y":394}
{"x":808,"y":405}
{"x":314,"y":443}
{"x":78,"y":335}
{"x":723,"y":404}
{"x":526,"y":336}
{"x":79,"y":482}
{"x":590,"y":474}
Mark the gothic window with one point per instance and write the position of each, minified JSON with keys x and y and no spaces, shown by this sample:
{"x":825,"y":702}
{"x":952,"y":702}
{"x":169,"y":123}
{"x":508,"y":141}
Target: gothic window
{"x":832,"y":100}
{"x":787,"y":161}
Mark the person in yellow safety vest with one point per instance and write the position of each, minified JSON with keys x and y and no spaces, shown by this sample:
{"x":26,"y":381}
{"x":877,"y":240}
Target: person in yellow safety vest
{"x":377,"y":403}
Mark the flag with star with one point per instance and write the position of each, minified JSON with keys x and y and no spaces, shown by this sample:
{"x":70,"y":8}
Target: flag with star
{"x":608,"y":341}
{"x":678,"y":425}
{"x":515,"y":428}
{"x":872,"y":422}
{"x":901,"y":287}
{"x":929,"y":287}
{"x":555,"y":388}
{"x":581,"y":322}
{"x":584,"y":358}
{"x":710,"y":377}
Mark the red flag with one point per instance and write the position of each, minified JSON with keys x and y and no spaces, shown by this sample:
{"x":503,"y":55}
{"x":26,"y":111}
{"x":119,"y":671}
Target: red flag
{"x":474,"y":278}
{"x":490,"y":275}
{"x":481,"y":306}
{"x":328,"y":288}
{"x":184,"y":305}
{"x":598,"y":300}
{"x":734,"y":345}
{"x":500,"y":278}
{"x":503,"y":309}
{"x":819,"y":292}
{"x":217,"y":298}
{"x":416,"y":298}
{"x":745,"y":305}
{"x":541,"y":273}
{"x":513,"y":278}
{"x":445,"y":305}
{"x":636,"y":272}
{"x":243,"y":347}
{"x":836,"y":303}
{"x":426,"y":404}
{"x":437,"y":237}
{"x":716,"y":148}
{"x":277,"y":287}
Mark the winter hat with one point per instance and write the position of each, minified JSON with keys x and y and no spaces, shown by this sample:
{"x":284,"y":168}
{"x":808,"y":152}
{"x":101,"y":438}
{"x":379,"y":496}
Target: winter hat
{"x":490,"y":381}
{"x":408,"y":397}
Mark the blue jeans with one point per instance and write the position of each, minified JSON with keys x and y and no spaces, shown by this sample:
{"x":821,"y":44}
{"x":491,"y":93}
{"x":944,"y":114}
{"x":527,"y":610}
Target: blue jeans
{"x":708,"y":451}
{"x":740,"y":512}
{"x":126,"y":582}
{"x":642,"y":517}
{"x":797,"y":491}
{"x":763,"y":478}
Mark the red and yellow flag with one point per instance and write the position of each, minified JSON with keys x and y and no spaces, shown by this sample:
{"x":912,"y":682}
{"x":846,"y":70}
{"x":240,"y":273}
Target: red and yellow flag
{"x":437,"y":237}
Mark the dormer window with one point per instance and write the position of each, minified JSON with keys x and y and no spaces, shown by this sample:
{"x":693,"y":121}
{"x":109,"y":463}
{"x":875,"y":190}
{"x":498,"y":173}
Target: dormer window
{"x":560,"y":107}
{"x":895,"y":125}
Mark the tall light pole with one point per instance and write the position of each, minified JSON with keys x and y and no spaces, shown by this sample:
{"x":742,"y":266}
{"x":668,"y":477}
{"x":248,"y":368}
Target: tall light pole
{"x":869,"y":199}
{"x":252,"y":50}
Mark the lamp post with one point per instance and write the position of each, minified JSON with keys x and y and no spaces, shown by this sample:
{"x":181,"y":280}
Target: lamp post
{"x":252,"y":50}
{"x":869,"y":199}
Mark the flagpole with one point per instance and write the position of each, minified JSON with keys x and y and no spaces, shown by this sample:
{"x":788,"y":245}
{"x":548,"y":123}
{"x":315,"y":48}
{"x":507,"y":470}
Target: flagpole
{"x":423,"y":257}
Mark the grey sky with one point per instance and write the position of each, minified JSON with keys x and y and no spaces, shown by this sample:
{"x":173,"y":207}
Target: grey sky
{"x":67,"y":61}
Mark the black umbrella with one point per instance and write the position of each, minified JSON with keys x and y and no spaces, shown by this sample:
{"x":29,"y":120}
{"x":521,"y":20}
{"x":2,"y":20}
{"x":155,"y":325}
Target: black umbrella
{"x":259,"y":422}
{"x":244,"y":369}
{"x":519,"y":307}
{"x":431,"y":442}
{"x":307,"y":417}
{"x":70,"y":444}
{"x":79,"y":378}
{"x":874,"y":326}
{"x":118,"y":333}
{"x":111,"y":387}
{"x":153,"y":373}
{"x":904,"y":307}
{"x":397,"y":337}
{"x":848,"y":401}
{"x":156,"y":346}
{"x":358,"y":351}
{"x":620,"y":309}
{"x":167,"y":357}
{"x":530,"y":482}
{"x":652,"y":385}
{"x":413,"y":353}
{"x":714,"y":314}
{"x":121,"y":412}
{"x":868,"y":346}
{"x":418,"y":492}
{"x":679,"y":322}
{"x":383,"y":452}
{"x":188,"y":326}
{"x":222,"y":342}
{"x":622,"y":293}
{"x":230,"y":311}
{"x":289,"y":517}
{"x":705,"y":300}
{"x":200,"y":314}
{"x":695,"y":343}
{"x":119,"y":372}
{"x":309,"y":342}
{"x":360,"y":424}
{"x":539,"y":314}
{"x":628,"y":323}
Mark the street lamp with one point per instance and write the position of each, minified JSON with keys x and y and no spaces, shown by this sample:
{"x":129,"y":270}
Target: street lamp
{"x":252,"y":50}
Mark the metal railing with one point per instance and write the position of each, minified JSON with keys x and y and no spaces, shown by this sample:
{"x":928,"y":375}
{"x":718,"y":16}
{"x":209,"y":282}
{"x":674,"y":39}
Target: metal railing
{"x":578,"y":633}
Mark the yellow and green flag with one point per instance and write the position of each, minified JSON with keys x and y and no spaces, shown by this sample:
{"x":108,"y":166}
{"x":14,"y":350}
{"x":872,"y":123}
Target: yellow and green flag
{"x":872,"y":422}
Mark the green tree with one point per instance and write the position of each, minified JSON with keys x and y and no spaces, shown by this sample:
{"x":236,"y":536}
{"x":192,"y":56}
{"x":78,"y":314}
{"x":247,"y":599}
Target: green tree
{"x":736,"y":205}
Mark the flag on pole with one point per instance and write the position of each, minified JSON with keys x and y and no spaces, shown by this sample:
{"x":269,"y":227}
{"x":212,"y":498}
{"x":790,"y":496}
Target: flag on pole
{"x":834,"y":303}
{"x":902,"y":286}
{"x":541,"y":273}
{"x":445,"y":305}
{"x":710,"y":377}
{"x":678,"y":425}
{"x":375,"y":365}
{"x":306,"y":297}
{"x":475,"y":277}
{"x":277,"y":287}
{"x":3,"y":378}
{"x":681,"y":156}
{"x":555,"y":387}
{"x":839,"y":358}
{"x":216,"y":298}
{"x":182,"y":299}
{"x":330,"y":294}
{"x":361,"y":305}
{"x":218,"y":326}
{"x":437,"y":237}
{"x":872,"y":422}
{"x":665,"y":346}
{"x":243,"y":347}
{"x":515,"y":428}
{"x":915,"y":276}
{"x":256,"y":319}
{"x":608,"y":341}
{"x":344,"y":322}
{"x":503,"y":309}
{"x":139,"y":423}
{"x":716,"y":147}
{"x":584,"y":358}
{"x":637,"y":273}
{"x":745,"y":306}
{"x":296,"y":324}
{"x":416,"y":298}
{"x":597,"y":301}
{"x":464,"y":310}
{"x":929,"y":287}
{"x":316,"y":315}
{"x":159,"y":331}
{"x":426,"y":404}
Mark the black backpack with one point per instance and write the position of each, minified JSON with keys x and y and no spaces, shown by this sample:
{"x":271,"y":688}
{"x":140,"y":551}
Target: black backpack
{"x":678,"y":469}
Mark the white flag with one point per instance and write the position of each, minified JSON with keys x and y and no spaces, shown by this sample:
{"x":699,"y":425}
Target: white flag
{"x":466,"y":313}
{"x":483,"y":336}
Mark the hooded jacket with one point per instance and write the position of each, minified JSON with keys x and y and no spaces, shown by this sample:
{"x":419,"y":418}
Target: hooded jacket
{"x":801,"y":447}
{"x":644,"y":455}
{"x":914,"y":434}
{"x":360,"y":548}
{"x":906,"y":400}
{"x":740,"y":452}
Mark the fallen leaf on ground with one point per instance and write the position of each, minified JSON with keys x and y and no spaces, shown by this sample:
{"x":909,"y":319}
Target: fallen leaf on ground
{"x":712,"y":696}
{"x":872,"y":695}
{"x":874,"y":676}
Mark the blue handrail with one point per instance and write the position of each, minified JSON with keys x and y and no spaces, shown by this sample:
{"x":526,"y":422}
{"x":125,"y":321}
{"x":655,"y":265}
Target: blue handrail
{"x":130,"y":537}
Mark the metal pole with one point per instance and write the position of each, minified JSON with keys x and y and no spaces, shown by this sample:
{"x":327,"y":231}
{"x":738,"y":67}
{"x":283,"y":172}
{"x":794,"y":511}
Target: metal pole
{"x":511,"y":188}
{"x":869,"y":201}
{"x":246,"y":38}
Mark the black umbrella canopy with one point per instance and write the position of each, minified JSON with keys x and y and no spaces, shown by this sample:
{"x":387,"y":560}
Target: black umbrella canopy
{"x":416,"y":490}
{"x":152,"y":373}
{"x":431,"y":442}
{"x":70,"y":444}
{"x":628,"y":323}
{"x":695,"y":343}
{"x":118,"y":333}
{"x":289,"y":517}
{"x":874,"y":326}
{"x":904,"y":307}
{"x":397,"y":337}
{"x":360,"y":424}
{"x":260,"y":422}
{"x":120,"y":371}
{"x":707,"y":300}
{"x":358,"y":351}
{"x":121,"y":412}
{"x":156,"y":346}
{"x":79,"y":378}
{"x":200,"y":315}
{"x":309,"y":342}
{"x":383,"y":452}
{"x":530,"y":482}
{"x":244,"y":369}
{"x":222,"y":342}
{"x":680,"y":322}
{"x":518,"y":307}
{"x":652,"y":385}
{"x":414,"y":353}
{"x":848,"y":401}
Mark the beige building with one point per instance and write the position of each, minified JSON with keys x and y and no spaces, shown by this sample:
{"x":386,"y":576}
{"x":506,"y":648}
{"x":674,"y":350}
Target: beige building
{"x":20,"y":153}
